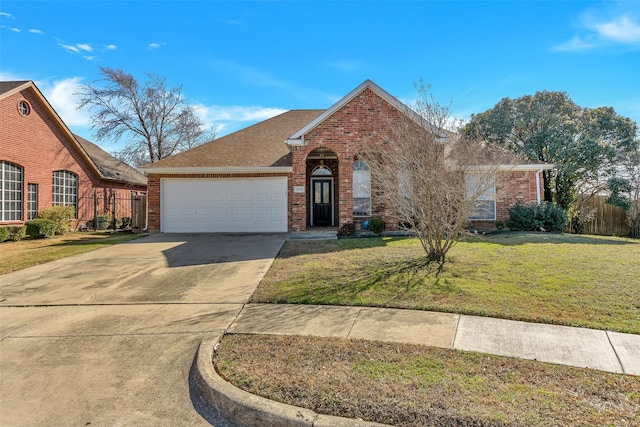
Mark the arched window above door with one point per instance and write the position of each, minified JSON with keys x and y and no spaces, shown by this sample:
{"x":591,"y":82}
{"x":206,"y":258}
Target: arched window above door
{"x":321,"y":170}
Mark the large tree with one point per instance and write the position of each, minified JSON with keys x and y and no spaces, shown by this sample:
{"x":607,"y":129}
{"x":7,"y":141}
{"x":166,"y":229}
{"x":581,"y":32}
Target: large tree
{"x":427,"y":176}
{"x":154,"y":121}
{"x":583,"y":143}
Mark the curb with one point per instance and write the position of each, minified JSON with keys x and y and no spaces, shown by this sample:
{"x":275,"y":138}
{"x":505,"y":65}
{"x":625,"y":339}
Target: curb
{"x":251,"y":410}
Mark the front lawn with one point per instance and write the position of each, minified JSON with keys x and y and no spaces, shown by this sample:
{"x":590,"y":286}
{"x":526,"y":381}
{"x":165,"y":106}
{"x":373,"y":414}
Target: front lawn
{"x":570,"y":280}
{"x":409,"y":385}
{"x":29,"y":252}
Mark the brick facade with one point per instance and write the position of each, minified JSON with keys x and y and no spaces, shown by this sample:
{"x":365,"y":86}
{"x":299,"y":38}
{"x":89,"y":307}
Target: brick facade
{"x":335,"y":142}
{"x":40,"y":145}
{"x":346,"y":132}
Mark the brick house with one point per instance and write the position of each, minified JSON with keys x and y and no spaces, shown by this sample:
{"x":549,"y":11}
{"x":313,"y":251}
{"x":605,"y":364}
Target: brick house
{"x":295,"y":171}
{"x":43,"y":164}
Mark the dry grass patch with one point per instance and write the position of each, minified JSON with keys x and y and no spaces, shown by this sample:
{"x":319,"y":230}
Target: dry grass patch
{"x":409,"y":385}
{"x":29,"y":252}
{"x":570,"y":280}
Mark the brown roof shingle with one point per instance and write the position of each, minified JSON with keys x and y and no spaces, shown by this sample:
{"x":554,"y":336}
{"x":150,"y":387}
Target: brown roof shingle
{"x":110,"y":167}
{"x":259,"y":145}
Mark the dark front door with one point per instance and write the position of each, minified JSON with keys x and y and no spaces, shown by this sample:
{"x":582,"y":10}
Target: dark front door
{"x":322,"y":202}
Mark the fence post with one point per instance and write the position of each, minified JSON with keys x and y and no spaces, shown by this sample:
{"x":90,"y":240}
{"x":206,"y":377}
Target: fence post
{"x":95,"y":210}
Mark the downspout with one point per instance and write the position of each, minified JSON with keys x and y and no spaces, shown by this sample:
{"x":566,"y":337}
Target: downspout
{"x":146,"y":221}
{"x":538,"y":184}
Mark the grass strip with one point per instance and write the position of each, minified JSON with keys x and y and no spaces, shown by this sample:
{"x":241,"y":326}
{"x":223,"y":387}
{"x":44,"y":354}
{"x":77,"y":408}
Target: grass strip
{"x":29,"y":252}
{"x":409,"y":385}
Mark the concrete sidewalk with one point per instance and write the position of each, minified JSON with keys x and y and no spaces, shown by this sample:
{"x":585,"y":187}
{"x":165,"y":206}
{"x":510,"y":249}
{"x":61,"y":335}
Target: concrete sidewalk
{"x":580,"y":347}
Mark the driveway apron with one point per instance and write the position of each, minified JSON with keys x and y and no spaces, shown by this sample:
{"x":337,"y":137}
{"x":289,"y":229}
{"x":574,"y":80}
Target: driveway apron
{"x":108,"y":337}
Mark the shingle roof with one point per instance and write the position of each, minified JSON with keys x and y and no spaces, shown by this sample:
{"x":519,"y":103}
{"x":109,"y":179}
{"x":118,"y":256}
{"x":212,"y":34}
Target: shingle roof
{"x":110,"y":167}
{"x":259,"y":145}
{"x":9,"y":86}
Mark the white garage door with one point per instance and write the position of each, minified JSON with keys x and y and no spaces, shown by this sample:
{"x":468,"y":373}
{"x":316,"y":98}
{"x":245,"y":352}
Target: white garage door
{"x":250,"y":205}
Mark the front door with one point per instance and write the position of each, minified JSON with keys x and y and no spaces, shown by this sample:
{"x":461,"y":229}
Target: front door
{"x":322,"y":202}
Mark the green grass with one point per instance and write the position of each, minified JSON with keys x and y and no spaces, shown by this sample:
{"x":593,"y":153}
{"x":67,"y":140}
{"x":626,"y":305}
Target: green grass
{"x":410,"y":385}
{"x":563,"y":279}
{"x":29,"y":252}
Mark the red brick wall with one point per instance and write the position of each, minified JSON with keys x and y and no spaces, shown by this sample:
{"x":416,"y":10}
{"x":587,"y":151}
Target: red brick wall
{"x":345,"y":132}
{"x":153,"y":190}
{"x":39,"y":145}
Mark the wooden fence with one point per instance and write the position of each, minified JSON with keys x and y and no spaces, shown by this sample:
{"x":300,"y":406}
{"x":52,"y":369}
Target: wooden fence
{"x":610,"y":220}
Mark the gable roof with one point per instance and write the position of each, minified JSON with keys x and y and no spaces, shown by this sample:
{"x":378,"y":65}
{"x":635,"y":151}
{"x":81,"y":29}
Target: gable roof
{"x":110,"y":167}
{"x":298,"y":137}
{"x":103,"y":164}
{"x":258,"y":146}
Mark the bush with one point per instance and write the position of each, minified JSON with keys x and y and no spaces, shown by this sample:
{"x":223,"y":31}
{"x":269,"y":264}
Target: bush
{"x":347,"y":229}
{"x":542,"y":217}
{"x":41,"y":227}
{"x":4,"y":234}
{"x":376,"y":225}
{"x":61,"y":215}
{"x":17,"y":232}
{"x":125,"y":222}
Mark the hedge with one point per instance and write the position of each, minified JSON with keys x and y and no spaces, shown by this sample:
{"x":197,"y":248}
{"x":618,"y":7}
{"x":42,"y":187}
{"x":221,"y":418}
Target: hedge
{"x":41,"y":227}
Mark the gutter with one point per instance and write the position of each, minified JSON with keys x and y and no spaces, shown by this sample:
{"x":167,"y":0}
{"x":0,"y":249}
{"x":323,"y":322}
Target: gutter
{"x":217,"y":170}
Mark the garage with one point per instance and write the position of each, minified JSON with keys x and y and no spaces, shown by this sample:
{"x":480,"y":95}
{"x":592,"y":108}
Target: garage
{"x":238,"y":205}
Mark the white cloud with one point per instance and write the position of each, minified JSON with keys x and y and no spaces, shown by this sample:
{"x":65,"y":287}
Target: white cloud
{"x":111,"y":47}
{"x":84,"y":46}
{"x":7,"y":15}
{"x":62,"y":95}
{"x":153,"y":46}
{"x":9,"y":77}
{"x":69,"y":48}
{"x":608,"y":24}
{"x":575,"y":44}
{"x":36,"y":31}
{"x":622,"y":30}
{"x":227,"y":119}
{"x":14,"y":29}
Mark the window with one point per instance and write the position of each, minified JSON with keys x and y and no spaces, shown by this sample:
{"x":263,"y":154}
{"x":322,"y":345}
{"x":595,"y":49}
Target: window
{"x":10,"y":192}
{"x":23,"y":108}
{"x":483,"y":187}
{"x":32,"y":201}
{"x":361,"y":189}
{"x":65,"y":189}
{"x":321,"y":170}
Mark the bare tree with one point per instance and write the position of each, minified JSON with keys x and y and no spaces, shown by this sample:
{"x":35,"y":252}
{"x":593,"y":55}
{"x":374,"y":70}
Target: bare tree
{"x":154,"y":121}
{"x":432,"y":177}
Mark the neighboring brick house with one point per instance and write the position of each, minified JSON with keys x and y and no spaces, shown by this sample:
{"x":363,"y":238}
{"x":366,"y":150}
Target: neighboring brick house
{"x":43,"y":164}
{"x":295,"y":171}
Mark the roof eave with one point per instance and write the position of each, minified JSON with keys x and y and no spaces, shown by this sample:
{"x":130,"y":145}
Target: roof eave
{"x":524,"y":167}
{"x":224,"y":170}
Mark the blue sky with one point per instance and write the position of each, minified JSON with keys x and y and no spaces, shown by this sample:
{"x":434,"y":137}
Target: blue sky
{"x":244,"y":61}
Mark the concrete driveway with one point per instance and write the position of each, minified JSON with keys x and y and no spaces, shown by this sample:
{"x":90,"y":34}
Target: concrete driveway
{"x":108,"y":338}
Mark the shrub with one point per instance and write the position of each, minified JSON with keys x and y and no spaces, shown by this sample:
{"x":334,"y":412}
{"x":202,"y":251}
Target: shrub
{"x":376,"y":224}
{"x":347,"y":229}
{"x":4,"y":234}
{"x":542,"y":217}
{"x":61,"y":215}
{"x":125,"y":222}
{"x":41,"y":227}
{"x":17,"y":232}
{"x":553,"y":217}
